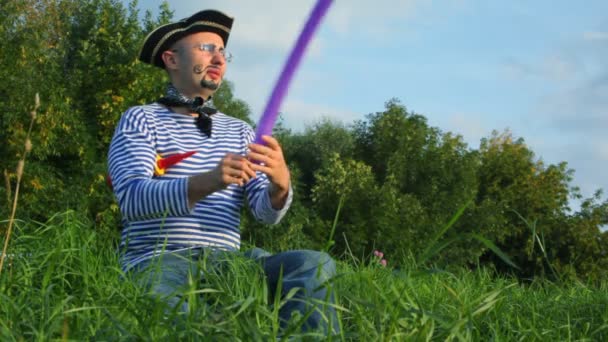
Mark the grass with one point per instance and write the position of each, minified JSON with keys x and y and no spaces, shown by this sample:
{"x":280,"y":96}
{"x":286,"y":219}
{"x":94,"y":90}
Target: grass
{"x":62,"y":281}
{"x":27,"y":147}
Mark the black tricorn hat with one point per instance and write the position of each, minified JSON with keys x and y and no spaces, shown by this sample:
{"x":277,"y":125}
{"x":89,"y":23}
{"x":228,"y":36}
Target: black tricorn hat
{"x":161,"y":39}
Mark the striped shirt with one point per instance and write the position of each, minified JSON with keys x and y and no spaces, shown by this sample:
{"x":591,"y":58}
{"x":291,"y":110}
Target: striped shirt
{"x":156,"y":217}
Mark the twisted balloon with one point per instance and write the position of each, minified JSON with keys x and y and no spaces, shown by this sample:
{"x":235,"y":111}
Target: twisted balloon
{"x":269,"y":117}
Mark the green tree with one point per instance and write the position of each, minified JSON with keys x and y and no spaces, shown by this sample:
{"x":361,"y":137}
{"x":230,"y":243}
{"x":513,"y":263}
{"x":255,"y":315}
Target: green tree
{"x":352,"y":183}
{"x":32,"y":45}
{"x":431,"y":173}
{"x":314,"y":147}
{"x":524,"y":204}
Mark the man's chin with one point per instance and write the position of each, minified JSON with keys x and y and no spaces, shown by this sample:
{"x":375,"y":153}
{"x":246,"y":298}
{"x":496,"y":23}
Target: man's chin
{"x":211,"y":85}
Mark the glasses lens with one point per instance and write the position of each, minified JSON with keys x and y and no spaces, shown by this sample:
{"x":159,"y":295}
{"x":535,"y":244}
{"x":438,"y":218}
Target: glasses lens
{"x":212,"y":49}
{"x":208,"y":48}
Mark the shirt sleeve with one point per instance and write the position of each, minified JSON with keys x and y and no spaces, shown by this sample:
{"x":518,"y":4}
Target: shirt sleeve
{"x":131,"y":161}
{"x":258,"y":197}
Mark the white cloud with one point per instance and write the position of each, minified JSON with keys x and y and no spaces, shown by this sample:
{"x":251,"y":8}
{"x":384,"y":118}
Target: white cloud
{"x":595,"y":36}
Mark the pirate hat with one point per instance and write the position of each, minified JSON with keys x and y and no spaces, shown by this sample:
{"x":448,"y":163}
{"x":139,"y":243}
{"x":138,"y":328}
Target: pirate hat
{"x":163,"y":37}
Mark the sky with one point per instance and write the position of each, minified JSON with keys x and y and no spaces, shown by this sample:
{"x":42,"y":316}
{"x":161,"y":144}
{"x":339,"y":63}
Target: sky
{"x":537,"y":68}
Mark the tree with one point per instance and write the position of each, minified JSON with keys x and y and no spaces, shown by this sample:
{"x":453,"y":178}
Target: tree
{"x":314,"y":147}
{"x":419,"y":166}
{"x":35,"y":67}
{"x":351,"y":184}
{"x":523,"y":204}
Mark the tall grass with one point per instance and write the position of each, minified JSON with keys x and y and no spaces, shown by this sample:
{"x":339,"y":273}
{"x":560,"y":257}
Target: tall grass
{"x":63,"y":282}
{"x":27,"y":147}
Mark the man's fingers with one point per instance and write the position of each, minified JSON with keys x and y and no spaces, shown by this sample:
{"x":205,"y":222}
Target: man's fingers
{"x":260,"y":158}
{"x":233,"y":159}
{"x":271,"y":142}
{"x":261,"y":149}
{"x":237,"y":170}
{"x":248,"y":170}
{"x":262,"y":168}
{"x":240,"y":173}
{"x":237,"y":163}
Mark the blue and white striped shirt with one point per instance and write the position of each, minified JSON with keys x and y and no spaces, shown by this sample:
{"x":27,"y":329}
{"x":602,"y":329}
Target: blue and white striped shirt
{"x":155,"y":213}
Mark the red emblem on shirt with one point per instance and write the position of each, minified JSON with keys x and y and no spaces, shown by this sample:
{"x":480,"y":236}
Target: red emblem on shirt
{"x":162,"y":164}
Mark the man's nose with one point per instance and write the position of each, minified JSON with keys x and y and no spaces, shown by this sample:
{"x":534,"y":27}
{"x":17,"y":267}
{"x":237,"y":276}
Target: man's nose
{"x":218,"y":58}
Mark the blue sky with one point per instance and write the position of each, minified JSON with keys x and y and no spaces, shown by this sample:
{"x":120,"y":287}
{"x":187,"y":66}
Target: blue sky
{"x":538,"y":68}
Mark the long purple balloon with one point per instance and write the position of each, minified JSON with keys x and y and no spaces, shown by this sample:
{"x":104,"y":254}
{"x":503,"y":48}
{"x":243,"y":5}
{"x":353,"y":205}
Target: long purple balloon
{"x":269,"y":117}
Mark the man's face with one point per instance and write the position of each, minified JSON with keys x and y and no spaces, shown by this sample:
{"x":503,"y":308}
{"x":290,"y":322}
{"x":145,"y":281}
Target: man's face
{"x":199,"y":70}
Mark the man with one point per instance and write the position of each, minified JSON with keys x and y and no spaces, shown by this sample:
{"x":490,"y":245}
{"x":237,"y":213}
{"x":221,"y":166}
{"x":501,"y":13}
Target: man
{"x":175,"y":215}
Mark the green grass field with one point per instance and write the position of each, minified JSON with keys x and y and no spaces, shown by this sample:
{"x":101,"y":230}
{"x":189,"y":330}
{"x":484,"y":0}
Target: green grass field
{"x":62,"y":281}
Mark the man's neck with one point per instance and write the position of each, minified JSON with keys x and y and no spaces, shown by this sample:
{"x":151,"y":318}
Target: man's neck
{"x":204,"y":93}
{"x":185,"y":109}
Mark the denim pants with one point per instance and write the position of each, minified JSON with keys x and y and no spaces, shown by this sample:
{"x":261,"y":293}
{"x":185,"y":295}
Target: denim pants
{"x":304,"y":270}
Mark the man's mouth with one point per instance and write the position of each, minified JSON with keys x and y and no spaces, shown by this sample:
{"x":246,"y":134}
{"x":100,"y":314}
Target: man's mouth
{"x":214,"y":73}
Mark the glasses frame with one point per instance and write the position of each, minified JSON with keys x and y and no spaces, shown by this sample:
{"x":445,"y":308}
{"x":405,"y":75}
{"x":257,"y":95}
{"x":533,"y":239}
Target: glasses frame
{"x":212,"y":49}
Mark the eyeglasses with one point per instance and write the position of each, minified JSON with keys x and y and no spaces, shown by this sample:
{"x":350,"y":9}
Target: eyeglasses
{"x":211,"y":49}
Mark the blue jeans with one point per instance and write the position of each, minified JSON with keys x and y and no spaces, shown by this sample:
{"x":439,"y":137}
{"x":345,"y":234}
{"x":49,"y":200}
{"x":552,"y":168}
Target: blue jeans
{"x":308,"y":271}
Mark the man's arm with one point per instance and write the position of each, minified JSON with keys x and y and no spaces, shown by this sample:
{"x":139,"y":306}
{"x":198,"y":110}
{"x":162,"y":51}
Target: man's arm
{"x":278,"y":197}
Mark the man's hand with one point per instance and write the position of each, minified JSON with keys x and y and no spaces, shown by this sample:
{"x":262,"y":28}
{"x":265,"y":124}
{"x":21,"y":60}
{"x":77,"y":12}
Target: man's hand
{"x":270,"y":161}
{"x":232,"y":169}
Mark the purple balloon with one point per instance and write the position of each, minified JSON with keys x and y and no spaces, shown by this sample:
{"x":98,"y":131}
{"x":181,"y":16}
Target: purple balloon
{"x":269,"y":117}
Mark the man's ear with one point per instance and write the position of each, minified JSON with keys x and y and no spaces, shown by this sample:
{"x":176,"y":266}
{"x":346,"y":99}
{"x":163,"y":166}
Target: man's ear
{"x":170,"y":59}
